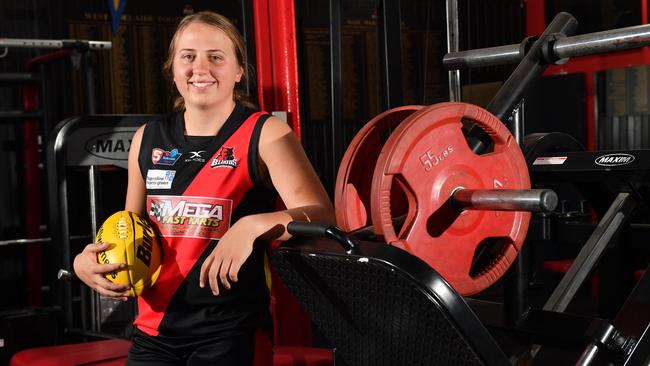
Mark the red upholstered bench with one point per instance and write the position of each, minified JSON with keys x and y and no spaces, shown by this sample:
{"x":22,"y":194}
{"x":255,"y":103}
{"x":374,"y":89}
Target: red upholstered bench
{"x":113,"y":353}
{"x":110,"y":352}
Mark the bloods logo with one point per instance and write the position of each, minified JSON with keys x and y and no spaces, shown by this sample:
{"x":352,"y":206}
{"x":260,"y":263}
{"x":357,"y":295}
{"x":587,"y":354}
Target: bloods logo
{"x":192,"y":217}
{"x":225,"y":158}
{"x":163,"y":157}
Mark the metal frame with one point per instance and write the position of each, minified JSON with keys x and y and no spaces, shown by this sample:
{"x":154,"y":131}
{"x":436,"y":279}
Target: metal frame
{"x":633,"y":319}
{"x":276,"y":58}
{"x":390,"y":52}
{"x":607,"y":228}
{"x":55,"y":43}
{"x":453,"y":46}
{"x":336,"y":82}
{"x":629,"y":331}
{"x":30,"y":134}
{"x":552,"y":46}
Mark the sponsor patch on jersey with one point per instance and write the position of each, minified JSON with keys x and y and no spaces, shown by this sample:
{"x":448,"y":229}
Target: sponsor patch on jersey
{"x":195,"y":156}
{"x":164,"y":157}
{"x":189,"y":216}
{"x":225,"y":158}
{"x":160,"y":179}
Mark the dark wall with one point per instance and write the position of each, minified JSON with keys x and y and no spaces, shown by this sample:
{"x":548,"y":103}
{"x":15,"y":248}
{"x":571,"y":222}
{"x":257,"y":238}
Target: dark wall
{"x":424,"y":81}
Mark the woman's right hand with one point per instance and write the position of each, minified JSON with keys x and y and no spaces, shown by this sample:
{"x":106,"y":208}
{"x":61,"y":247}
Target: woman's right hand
{"x":93,"y":274}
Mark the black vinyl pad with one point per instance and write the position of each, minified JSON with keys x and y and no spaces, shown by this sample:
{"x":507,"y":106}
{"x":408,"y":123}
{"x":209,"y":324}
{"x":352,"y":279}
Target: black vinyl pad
{"x":383,"y":306}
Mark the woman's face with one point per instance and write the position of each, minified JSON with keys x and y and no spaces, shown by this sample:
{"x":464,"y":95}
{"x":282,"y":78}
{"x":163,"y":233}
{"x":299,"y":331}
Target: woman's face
{"x":205,"y":66}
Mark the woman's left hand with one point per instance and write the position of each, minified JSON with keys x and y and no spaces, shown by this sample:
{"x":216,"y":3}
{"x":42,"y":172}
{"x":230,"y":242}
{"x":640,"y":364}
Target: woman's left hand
{"x":232,"y":250}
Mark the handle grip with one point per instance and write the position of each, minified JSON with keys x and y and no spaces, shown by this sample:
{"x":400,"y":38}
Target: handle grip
{"x":308,"y":229}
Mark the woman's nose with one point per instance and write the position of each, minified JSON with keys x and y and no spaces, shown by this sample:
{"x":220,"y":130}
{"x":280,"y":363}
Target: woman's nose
{"x":199,"y":65}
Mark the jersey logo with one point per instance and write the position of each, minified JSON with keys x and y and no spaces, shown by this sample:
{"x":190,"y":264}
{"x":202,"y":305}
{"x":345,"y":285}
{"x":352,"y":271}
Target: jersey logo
{"x":195,"y":156}
{"x":160,"y":179}
{"x":225,"y":158}
{"x":189,"y":216}
{"x":164,"y":157}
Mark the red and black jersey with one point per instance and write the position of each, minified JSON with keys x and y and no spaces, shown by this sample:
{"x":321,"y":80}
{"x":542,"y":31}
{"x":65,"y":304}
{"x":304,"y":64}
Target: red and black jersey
{"x":197,"y":187}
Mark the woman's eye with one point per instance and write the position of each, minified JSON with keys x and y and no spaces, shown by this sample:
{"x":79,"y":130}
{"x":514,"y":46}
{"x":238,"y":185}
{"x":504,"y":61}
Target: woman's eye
{"x":188,"y":57}
{"x":216,"y":57}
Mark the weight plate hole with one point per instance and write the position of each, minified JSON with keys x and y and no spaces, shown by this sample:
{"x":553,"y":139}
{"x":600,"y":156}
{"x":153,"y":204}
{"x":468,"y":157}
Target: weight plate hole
{"x":486,"y":254}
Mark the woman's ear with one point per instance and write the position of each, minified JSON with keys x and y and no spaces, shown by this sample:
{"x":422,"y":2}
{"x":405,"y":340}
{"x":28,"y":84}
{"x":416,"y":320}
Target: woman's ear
{"x":239,"y":74}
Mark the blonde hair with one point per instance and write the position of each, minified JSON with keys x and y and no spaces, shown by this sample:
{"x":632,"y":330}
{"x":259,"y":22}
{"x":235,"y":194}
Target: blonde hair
{"x":223,"y":24}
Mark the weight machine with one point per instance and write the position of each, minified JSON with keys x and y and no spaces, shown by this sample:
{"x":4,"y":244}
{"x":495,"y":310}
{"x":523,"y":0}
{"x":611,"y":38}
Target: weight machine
{"x":382,"y":304}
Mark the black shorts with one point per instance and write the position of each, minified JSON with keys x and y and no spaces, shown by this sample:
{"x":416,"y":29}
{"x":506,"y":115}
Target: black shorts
{"x":232,"y":350}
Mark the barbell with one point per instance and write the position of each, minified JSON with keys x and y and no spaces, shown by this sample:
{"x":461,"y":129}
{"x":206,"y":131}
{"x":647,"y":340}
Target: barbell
{"x":423,"y":189}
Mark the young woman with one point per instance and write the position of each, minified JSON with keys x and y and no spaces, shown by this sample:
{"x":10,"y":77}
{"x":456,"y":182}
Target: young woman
{"x":207,"y":177}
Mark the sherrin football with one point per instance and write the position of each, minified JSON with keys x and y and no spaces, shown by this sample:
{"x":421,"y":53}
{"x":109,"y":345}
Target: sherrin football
{"x":134,"y":242}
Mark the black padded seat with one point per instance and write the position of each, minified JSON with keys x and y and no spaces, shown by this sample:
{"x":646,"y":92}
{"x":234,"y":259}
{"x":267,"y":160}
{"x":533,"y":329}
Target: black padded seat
{"x":383,"y":306}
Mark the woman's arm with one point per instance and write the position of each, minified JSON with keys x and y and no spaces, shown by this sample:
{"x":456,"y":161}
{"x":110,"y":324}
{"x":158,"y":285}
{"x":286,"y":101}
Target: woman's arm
{"x":301,"y":191}
{"x":295,"y":180}
{"x":135,"y":192}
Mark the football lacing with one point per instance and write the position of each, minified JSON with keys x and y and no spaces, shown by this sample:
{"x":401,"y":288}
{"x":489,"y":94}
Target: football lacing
{"x":122,"y":228}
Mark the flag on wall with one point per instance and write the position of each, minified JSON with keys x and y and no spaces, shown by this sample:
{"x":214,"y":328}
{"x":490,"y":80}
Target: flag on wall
{"x":116,"y":9}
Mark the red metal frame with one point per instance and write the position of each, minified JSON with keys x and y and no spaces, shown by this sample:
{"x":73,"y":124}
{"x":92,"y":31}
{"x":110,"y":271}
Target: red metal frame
{"x":277,"y":80}
{"x":277,"y":58}
{"x":32,"y":195}
{"x":588,"y":65}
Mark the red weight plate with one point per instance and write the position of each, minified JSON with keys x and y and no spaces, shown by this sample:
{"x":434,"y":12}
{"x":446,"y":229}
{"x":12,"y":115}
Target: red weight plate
{"x":428,"y":158}
{"x":352,"y":191}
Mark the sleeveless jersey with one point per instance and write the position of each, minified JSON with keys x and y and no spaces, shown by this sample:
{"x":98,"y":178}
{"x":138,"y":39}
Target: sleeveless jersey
{"x":197,"y":187}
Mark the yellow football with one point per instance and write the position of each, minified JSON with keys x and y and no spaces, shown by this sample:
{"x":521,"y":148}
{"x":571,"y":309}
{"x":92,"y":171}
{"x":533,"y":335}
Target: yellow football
{"x":134,"y":242}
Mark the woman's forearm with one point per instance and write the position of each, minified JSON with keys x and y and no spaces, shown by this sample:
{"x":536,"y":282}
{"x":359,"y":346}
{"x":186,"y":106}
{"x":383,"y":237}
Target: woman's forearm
{"x":272,"y":225}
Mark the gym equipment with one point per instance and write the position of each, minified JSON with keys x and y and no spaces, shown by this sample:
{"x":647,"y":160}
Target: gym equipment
{"x":446,"y":188}
{"x":54,"y":43}
{"x":383,"y":306}
{"x":429,"y":158}
{"x":379,"y":304}
{"x":134,"y":242}
{"x":482,"y":256}
{"x":615,"y":185}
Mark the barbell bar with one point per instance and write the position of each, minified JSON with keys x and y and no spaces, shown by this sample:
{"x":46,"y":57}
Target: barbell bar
{"x":560,"y":48}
